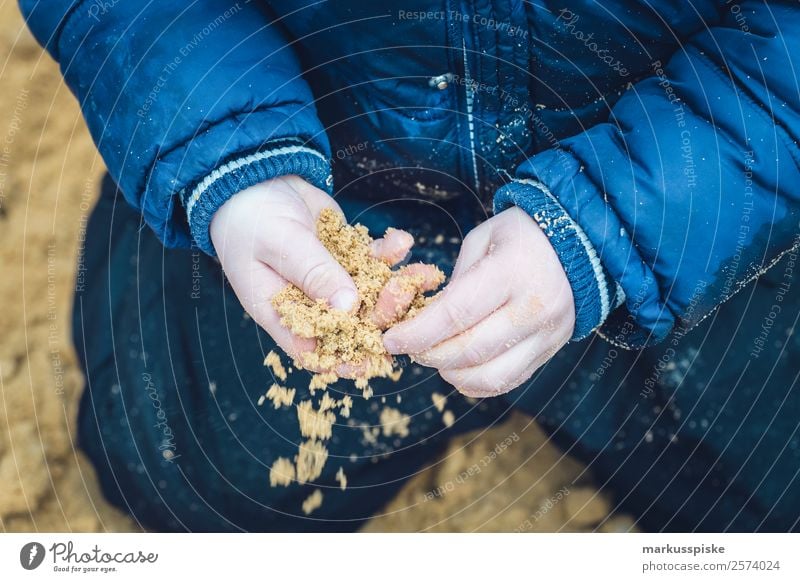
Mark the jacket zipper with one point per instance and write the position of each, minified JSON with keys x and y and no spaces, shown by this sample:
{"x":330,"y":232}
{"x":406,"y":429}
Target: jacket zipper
{"x":469,"y":100}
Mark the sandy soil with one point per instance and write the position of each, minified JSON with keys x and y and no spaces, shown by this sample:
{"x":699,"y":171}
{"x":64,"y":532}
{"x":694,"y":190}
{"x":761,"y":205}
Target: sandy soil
{"x":49,"y":172}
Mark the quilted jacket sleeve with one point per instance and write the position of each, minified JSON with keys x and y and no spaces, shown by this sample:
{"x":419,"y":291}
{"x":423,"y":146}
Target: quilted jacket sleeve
{"x":188,"y":102}
{"x":689,"y":191}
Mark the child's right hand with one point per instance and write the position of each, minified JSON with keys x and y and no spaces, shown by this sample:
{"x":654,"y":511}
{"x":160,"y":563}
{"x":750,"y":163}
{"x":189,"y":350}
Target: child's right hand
{"x":265,"y":237}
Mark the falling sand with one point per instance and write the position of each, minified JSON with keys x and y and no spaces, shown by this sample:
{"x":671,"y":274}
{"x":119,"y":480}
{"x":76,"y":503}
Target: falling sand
{"x":345,"y":338}
{"x":342,"y":338}
{"x":312,"y":502}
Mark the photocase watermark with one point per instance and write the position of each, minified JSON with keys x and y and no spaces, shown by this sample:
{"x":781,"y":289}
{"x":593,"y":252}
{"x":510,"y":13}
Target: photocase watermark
{"x":351,"y":149}
{"x":160,"y":83}
{"x":421,"y":15}
{"x":31,"y":555}
{"x":665,"y":363}
{"x":605,"y":364}
{"x":14,"y":127}
{"x":620,"y":339}
{"x":666,"y":85}
{"x":196,"y":274}
{"x":474,"y":469}
{"x":98,"y":8}
{"x":183,"y":52}
{"x":760,"y":341}
{"x":524,"y":109}
{"x":680,"y":120}
{"x":741,"y":20}
{"x":66,"y":558}
{"x":688,"y":159}
{"x":492,"y":24}
{"x":167,"y":446}
{"x":543,"y":510}
{"x":569,"y":20}
{"x":731,"y":269}
{"x":85,"y":206}
{"x":53,"y":331}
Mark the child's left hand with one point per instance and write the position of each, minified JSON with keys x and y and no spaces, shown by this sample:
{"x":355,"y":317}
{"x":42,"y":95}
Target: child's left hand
{"x":507,"y":309}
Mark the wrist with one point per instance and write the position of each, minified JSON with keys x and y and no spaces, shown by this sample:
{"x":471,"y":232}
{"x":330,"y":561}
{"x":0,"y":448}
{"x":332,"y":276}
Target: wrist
{"x":595,"y":293}
{"x":289,"y":164}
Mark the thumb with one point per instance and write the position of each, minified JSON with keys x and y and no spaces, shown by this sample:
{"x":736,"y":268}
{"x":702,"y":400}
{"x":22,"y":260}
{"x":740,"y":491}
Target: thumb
{"x":303,"y":260}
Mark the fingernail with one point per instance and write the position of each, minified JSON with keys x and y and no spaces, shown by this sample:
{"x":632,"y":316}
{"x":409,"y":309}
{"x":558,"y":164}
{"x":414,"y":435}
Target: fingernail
{"x":344,"y":299}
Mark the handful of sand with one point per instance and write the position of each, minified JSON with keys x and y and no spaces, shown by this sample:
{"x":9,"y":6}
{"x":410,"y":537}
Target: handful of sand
{"x":354,"y":339}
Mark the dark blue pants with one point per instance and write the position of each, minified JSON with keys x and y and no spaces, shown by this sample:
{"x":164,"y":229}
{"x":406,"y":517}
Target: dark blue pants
{"x":689,"y":435}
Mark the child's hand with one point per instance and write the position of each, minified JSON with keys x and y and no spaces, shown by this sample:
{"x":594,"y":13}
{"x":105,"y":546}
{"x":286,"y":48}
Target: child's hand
{"x":266,"y":237}
{"x":507,"y":309}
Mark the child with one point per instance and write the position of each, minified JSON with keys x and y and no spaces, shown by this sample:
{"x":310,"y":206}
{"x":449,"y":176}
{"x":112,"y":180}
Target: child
{"x":624,"y":173}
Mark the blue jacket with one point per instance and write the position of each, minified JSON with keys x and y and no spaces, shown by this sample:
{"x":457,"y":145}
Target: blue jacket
{"x":655,"y":143}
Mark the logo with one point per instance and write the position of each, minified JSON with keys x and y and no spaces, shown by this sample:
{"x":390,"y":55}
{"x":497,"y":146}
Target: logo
{"x":31,"y":555}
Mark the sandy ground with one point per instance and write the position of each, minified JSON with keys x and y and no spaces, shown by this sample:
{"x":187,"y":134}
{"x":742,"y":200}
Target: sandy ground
{"x":49,"y":172}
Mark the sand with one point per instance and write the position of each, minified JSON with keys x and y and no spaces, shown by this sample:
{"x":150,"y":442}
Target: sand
{"x":341,"y":478}
{"x":312,"y":502}
{"x":280,"y":396}
{"x":315,"y":424}
{"x":48,"y":183}
{"x":345,"y":338}
{"x":310,"y":460}
{"x":394,"y":422}
{"x":273,"y":360}
{"x":282,"y":472}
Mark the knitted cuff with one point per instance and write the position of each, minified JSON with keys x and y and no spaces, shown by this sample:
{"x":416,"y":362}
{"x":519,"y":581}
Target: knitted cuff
{"x":594,"y":291}
{"x":274,"y":159}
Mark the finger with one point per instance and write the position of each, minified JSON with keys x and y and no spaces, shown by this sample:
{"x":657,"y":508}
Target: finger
{"x":506,"y":371}
{"x":255,"y":287}
{"x":398,"y":294}
{"x":463,"y":303}
{"x":491,"y":337}
{"x":475,"y":246}
{"x":301,"y":258}
{"x":315,"y":199}
{"x":393,"y":247}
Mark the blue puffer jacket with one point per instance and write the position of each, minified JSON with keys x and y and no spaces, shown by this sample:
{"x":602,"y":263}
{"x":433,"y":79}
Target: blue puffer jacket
{"x":655,"y":143}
